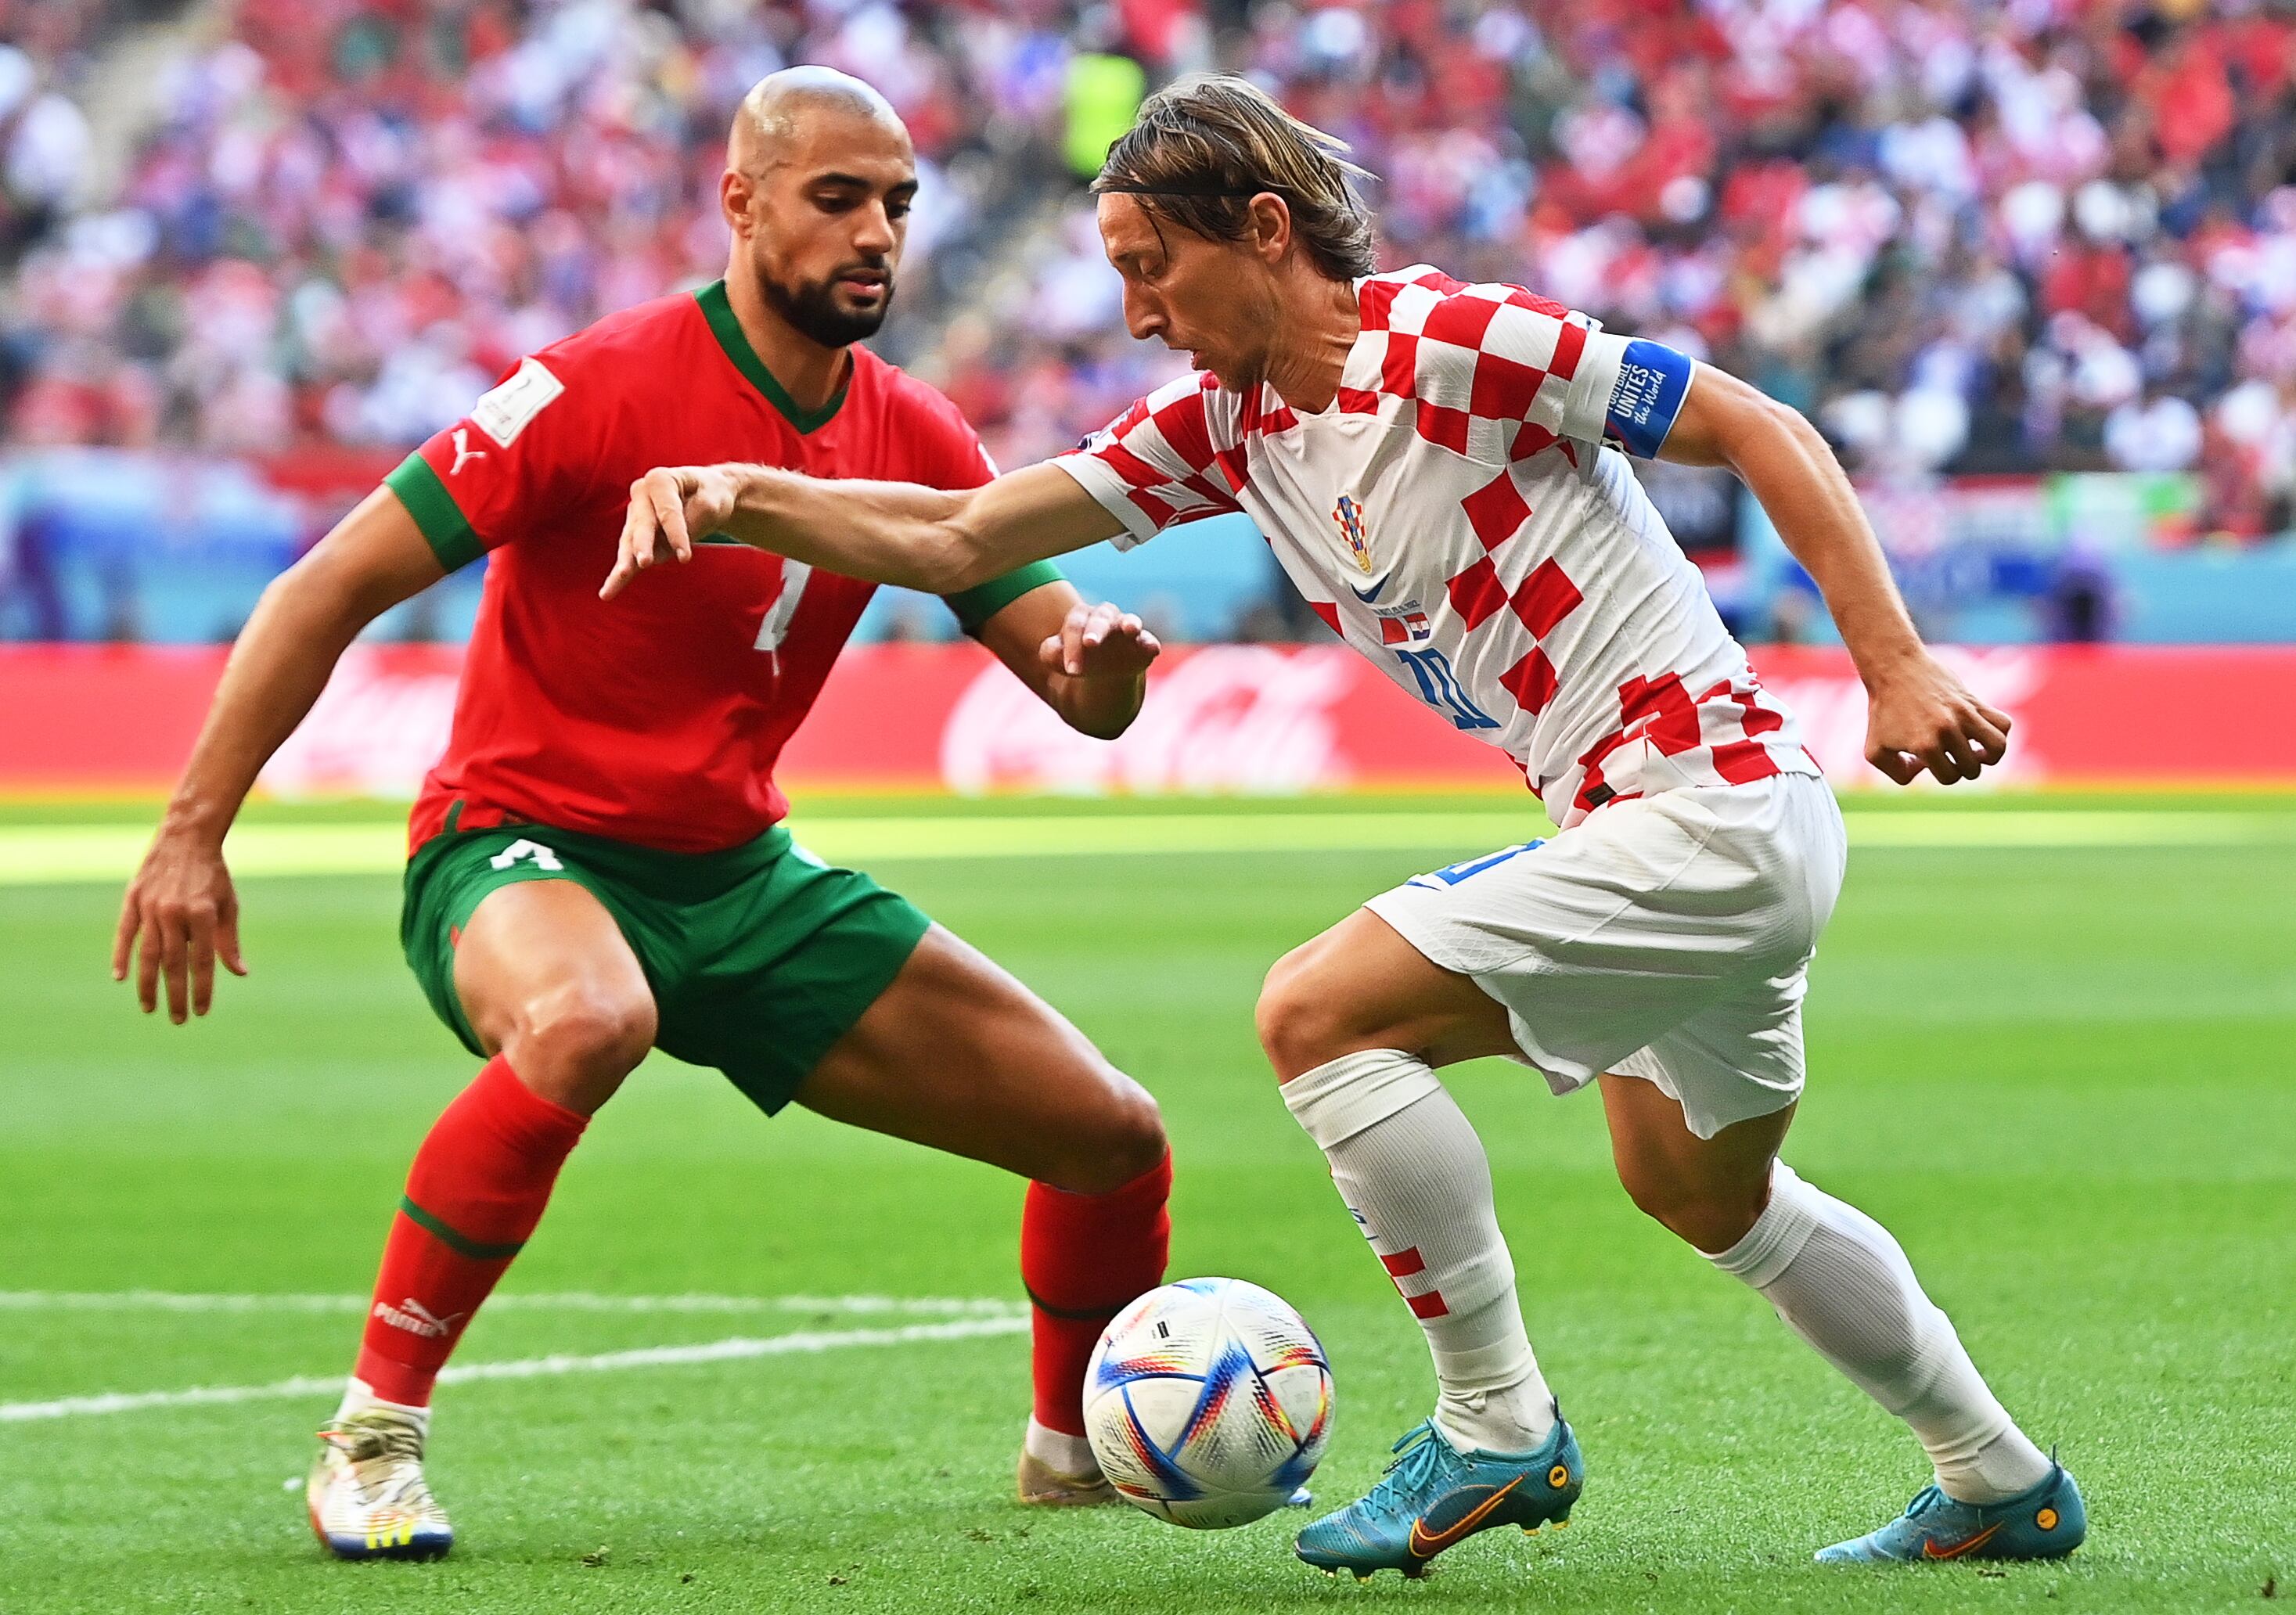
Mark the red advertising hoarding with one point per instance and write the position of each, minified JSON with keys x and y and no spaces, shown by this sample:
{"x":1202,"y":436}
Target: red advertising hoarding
{"x":1265,"y":719}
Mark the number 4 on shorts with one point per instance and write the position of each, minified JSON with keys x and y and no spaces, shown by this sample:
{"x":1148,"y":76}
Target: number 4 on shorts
{"x":544,"y":858}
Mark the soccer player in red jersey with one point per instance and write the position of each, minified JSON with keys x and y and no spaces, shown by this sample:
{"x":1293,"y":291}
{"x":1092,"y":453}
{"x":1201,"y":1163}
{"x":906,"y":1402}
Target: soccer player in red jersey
{"x":598,"y":865}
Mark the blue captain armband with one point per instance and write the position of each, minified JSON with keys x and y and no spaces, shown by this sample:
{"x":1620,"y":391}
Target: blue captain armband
{"x":1653,"y":381}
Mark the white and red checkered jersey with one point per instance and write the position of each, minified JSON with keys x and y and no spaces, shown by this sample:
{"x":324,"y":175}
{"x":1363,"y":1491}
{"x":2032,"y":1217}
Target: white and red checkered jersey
{"x":1456,"y":516}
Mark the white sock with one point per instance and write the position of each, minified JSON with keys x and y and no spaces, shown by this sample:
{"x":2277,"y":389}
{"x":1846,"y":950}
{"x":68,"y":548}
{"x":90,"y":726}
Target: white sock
{"x":1412,"y":1171}
{"x":1070,"y":1455}
{"x":358,"y":1396}
{"x":1844,"y":1284}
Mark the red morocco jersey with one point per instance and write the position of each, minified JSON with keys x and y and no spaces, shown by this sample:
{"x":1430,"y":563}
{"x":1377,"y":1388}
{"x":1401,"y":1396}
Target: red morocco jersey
{"x":655,"y":718}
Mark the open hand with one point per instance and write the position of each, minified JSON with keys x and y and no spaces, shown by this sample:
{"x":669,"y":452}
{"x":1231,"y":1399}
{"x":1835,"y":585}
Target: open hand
{"x":1924,"y":717}
{"x":1100,"y":641}
{"x":668,"y":506}
{"x":183,"y":912}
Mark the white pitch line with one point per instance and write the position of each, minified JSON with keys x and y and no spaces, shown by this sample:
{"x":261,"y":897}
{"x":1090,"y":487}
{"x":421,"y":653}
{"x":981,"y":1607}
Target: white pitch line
{"x":572,"y":1300}
{"x":737,"y":1349}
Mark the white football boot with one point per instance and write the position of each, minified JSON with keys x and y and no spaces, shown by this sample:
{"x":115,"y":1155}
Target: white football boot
{"x":367,"y":1493}
{"x":1058,"y":1471}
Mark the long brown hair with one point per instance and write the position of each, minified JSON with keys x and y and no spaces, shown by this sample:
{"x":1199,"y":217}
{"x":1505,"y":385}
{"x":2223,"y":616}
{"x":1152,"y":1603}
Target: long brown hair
{"x":1205,"y":146}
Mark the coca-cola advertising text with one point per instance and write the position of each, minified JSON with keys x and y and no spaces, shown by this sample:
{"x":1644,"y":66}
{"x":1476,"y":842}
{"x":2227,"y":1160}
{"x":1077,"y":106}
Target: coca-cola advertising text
{"x":1260,"y":719}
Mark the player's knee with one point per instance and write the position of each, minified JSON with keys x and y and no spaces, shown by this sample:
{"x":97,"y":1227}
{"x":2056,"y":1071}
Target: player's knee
{"x":575,"y":1044}
{"x":1299,"y":1018}
{"x":1711,"y":1217}
{"x":1126,"y":1139}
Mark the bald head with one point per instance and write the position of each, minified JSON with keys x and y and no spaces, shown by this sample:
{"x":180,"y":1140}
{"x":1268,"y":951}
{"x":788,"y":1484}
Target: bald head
{"x":819,"y":179}
{"x":781,"y":108}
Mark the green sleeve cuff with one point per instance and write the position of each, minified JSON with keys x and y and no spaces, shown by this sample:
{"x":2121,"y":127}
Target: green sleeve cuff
{"x":445,"y":529}
{"x":976,"y":606}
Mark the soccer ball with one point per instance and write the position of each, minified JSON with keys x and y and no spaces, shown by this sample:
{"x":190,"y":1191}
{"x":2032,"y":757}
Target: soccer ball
{"x":1208,"y":1402}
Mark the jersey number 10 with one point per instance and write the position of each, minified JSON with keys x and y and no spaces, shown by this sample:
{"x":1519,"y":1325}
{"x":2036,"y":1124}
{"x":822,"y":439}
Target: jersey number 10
{"x":1438,"y":687}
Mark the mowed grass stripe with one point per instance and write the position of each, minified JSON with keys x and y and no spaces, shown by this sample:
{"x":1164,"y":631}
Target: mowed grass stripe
{"x":59,"y":854}
{"x":737,"y":1349}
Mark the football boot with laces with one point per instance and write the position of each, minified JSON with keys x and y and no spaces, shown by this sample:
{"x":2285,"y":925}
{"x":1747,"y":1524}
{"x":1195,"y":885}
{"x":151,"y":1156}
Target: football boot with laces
{"x":367,"y":1493}
{"x":1434,"y":1496}
{"x":2046,"y":1522}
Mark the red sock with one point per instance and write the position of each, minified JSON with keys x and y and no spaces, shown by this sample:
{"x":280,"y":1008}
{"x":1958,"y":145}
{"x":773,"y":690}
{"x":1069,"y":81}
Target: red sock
{"x":1083,"y":1257}
{"x":475,"y":1192}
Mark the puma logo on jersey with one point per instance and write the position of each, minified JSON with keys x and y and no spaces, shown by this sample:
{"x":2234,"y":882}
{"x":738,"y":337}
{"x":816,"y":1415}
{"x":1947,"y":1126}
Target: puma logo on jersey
{"x":416,"y":1319}
{"x":464,"y":452}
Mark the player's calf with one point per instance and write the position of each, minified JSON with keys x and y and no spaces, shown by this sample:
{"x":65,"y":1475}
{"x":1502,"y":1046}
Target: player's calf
{"x":477,"y":1189}
{"x":1083,"y":1257}
{"x":1842,"y":1282}
{"x":1095,"y":1231}
{"x":958,"y":1055}
{"x":1354,"y":1023}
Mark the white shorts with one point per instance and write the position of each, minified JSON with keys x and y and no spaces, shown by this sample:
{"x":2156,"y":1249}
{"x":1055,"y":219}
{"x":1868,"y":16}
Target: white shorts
{"x":1668,"y":938}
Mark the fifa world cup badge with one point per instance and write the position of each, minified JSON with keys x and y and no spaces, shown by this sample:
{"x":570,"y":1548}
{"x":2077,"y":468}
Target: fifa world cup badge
{"x":1349,"y":516}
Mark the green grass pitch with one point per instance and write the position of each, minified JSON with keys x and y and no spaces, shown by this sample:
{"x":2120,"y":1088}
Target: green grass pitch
{"x":2063,"y":1075}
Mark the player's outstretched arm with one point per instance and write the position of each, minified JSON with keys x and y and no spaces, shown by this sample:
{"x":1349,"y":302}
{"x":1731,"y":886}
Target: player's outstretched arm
{"x":180,"y":914}
{"x":940,"y":541}
{"x":1919,"y":715}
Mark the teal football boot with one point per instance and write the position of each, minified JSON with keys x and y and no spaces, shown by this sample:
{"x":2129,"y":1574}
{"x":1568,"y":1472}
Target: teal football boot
{"x":1434,"y":1496}
{"x":2046,"y":1522}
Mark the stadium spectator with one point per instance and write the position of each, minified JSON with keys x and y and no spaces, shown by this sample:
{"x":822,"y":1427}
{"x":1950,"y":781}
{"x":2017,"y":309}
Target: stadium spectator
{"x":354,"y":212}
{"x":1967,"y":237}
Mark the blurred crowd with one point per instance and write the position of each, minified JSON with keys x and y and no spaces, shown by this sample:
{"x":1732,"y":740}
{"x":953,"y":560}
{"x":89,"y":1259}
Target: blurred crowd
{"x":1964,"y":236}
{"x":350,"y":215}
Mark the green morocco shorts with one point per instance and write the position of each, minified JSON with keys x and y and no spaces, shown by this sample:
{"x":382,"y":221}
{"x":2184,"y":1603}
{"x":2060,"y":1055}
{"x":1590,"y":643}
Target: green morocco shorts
{"x":760,"y":957}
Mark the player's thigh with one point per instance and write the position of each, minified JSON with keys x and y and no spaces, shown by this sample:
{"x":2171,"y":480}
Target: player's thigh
{"x":1361,"y":985}
{"x":958,"y":1054}
{"x":546,"y":977}
{"x":1613,"y":935}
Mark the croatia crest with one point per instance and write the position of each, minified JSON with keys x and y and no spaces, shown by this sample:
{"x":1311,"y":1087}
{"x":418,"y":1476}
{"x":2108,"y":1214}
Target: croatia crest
{"x":1349,"y":516}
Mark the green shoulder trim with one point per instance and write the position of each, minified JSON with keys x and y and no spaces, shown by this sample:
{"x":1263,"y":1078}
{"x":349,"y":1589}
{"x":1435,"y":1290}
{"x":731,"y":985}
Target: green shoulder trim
{"x":975,"y":606}
{"x":445,"y":529}
{"x":461,"y":1244}
{"x":719,"y":310}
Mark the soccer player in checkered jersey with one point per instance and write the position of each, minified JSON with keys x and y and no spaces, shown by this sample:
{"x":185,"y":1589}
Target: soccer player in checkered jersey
{"x":597,"y":863}
{"x":1440,"y":470}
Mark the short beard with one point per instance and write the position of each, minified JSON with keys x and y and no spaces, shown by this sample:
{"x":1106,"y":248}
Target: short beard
{"x":812,"y":311}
